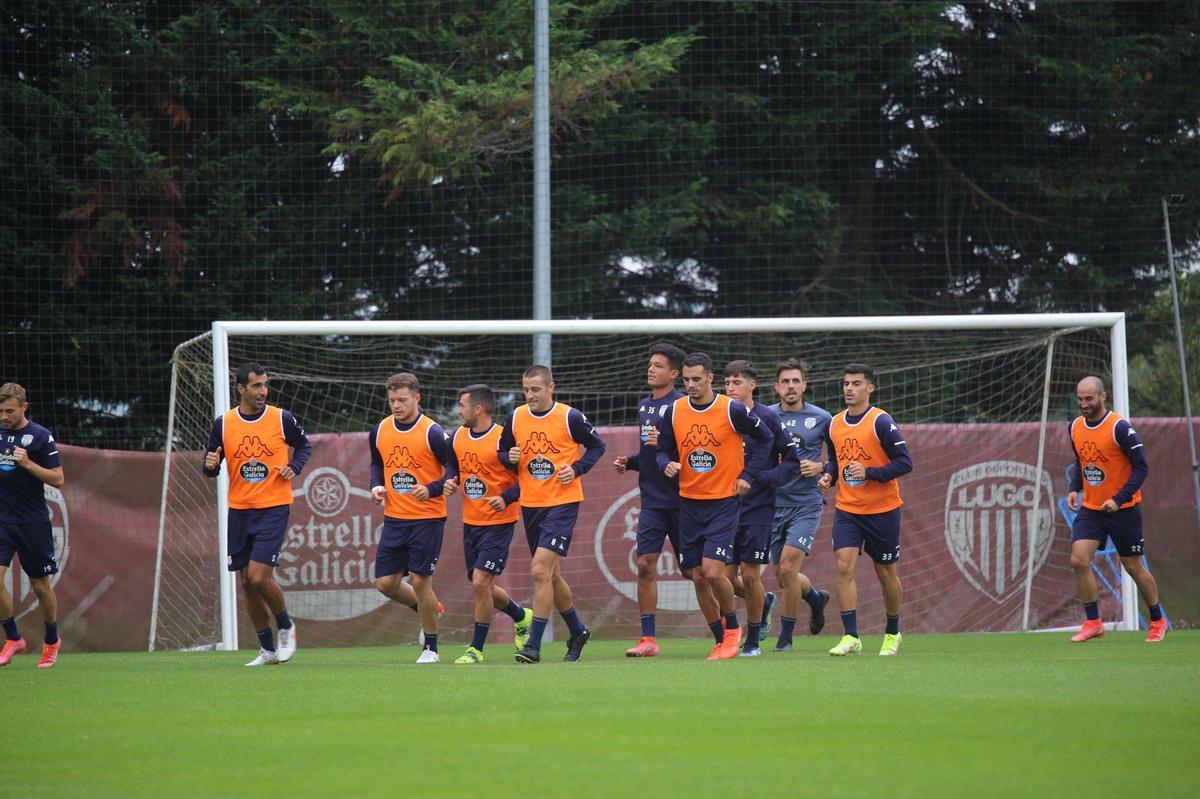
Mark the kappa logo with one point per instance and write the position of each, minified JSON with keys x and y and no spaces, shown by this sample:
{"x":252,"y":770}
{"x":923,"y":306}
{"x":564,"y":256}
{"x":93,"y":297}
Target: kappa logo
{"x":1090,"y":453}
{"x":539,"y":443}
{"x":470,"y":464}
{"x":994,"y":514}
{"x":700,"y":436}
{"x":851,"y":450}
{"x":401,"y":458}
{"x":252,"y":447}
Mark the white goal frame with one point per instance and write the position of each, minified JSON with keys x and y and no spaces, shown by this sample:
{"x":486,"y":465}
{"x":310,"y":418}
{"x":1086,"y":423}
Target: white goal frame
{"x":222,"y":330}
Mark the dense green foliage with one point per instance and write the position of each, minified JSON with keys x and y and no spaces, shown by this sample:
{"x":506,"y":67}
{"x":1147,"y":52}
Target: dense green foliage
{"x":165,"y":164}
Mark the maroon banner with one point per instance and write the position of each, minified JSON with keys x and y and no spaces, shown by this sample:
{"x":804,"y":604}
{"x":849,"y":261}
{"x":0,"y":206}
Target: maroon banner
{"x":969,"y":532}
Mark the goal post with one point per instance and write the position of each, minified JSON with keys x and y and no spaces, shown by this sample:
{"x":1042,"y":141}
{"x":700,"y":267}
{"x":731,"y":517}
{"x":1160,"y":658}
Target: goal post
{"x":330,"y":374}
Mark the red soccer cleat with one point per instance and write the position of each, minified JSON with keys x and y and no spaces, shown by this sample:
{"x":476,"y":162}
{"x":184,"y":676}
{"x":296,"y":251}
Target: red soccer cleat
{"x":10,"y":650}
{"x":730,"y":644}
{"x":1092,"y":628}
{"x":646,"y":647}
{"x":1157,"y":630}
{"x":715,"y":654}
{"x":49,"y":654}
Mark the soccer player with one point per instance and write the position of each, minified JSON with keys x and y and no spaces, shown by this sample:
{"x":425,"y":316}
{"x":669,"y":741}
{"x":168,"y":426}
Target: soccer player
{"x":701,"y":440}
{"x":798,"y":503}
{"x":265,"y":448}
{"x":867,"y":453}
{"x":409,"y":453}
{"x":1110,"y":467}
{"x":490,"y":512}
{"x":658,"y":518}
{"x":28,"y":460}
{"x":757,"y":507}
{"x":541,"y":440}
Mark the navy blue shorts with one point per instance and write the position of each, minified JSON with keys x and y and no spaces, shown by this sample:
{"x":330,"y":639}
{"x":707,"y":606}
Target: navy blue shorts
{"x":550,"y":528}
{"x":409,"y":546}
{"x":752,"y":543}
{"x":707,"y":529}
{"x":795,"y":527}
{"x":1123,"y":526}
{"x":655,"y":527}
{"x":877,"y":533}
{"x":486,"y":546}
{"x":256,"y":534}
{"x":33,"y":542}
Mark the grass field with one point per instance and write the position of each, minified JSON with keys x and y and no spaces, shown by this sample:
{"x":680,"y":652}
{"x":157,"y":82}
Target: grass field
{"x":954,"y":715}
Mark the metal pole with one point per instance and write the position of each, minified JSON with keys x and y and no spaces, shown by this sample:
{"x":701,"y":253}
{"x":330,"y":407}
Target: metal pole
{"x":1120,"y":367}
{"x":1035,"y":527}
{"x":1187,"y":393}
{"x":541,"y":176}
{"x":162,"y":505}
{"x":225,"y":578}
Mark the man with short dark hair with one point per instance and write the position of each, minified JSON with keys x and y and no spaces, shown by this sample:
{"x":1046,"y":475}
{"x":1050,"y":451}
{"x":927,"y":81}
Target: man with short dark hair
{"x":868,"y":454}
{"x":658,"y":516}
{"x":28,"y":462}
{"x":798,"y":502}
{"x":701,"y":440}
{"x":409,"y":453}
{"x":490,"y":511}
{"x":265,"y":448}
{"x":541,"y":440}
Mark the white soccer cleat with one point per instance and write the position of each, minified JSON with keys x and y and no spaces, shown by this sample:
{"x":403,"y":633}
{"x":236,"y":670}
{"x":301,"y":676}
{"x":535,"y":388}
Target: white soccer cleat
{"x":287,"y":644}
{"x":265,"y":658}
{"x":429,"y":656}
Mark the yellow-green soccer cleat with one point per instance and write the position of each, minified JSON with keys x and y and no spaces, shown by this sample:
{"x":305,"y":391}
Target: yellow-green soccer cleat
{"x":891,"y":644}
{"x":521,"y":630}
{"x":849,"y":645}
{"x":472,"y":655}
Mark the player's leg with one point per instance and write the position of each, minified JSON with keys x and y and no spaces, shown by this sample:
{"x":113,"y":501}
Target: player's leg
{"x":424,"y":549}
{"x":653,"y":529}
{"x":558,"y":529}
{"x":1126,"y":531}
{"x":751,"y":574}
{"x":847,"y":543}
{"x":48,"y":607}
{"x":1087,"y":535}
{"x":14,"y":644}
{"x":267,"y":530}
{"x":542,"y":571}
{"x":882,"y":543}
{"x":494,"y":548}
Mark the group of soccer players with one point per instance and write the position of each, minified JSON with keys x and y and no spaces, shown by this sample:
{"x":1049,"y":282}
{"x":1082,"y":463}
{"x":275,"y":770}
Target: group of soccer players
{"x":732,"y":483}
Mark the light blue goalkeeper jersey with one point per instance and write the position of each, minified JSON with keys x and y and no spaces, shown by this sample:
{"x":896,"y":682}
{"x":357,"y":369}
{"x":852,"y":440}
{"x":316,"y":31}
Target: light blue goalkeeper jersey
{"x":808,"y":428}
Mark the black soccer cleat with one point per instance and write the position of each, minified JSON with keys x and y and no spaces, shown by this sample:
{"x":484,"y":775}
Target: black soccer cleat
{"x":575,"y":645}
{"x":528,"y":654}
{"x":817,"y":622}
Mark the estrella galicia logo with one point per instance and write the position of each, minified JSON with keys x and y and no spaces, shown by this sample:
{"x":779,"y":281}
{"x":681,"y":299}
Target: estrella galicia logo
{"x":851,"y":451}
{"x":1089,"y":456}
{"x":253,"y":471}
{"x":647,"y":428}
{"x":474,"y":488}
{"x":403,"y":481}
{"x":7,"y":462}
{"x":700,"y":459}
{"x":540,"y":468}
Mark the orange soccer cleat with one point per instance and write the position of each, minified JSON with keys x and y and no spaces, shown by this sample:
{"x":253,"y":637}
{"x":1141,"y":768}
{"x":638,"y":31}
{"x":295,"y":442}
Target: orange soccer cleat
{"x":730,"y":644}
{"x":1157,"y":630}
{"x":646,"y":647}
{"x":715,"y":654}
{"x":10,"y":650}
{"x":49,"y":654}
{"x":1092,"y":628}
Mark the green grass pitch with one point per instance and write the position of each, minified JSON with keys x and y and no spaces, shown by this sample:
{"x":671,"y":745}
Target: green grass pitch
{"x":953,"y":715}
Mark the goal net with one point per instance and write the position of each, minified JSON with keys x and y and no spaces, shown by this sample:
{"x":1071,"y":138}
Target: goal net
{"x":982,"y":401}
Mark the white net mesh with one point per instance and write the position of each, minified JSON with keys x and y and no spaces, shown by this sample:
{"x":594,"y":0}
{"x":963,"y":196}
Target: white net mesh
{"x":969,"y":404}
